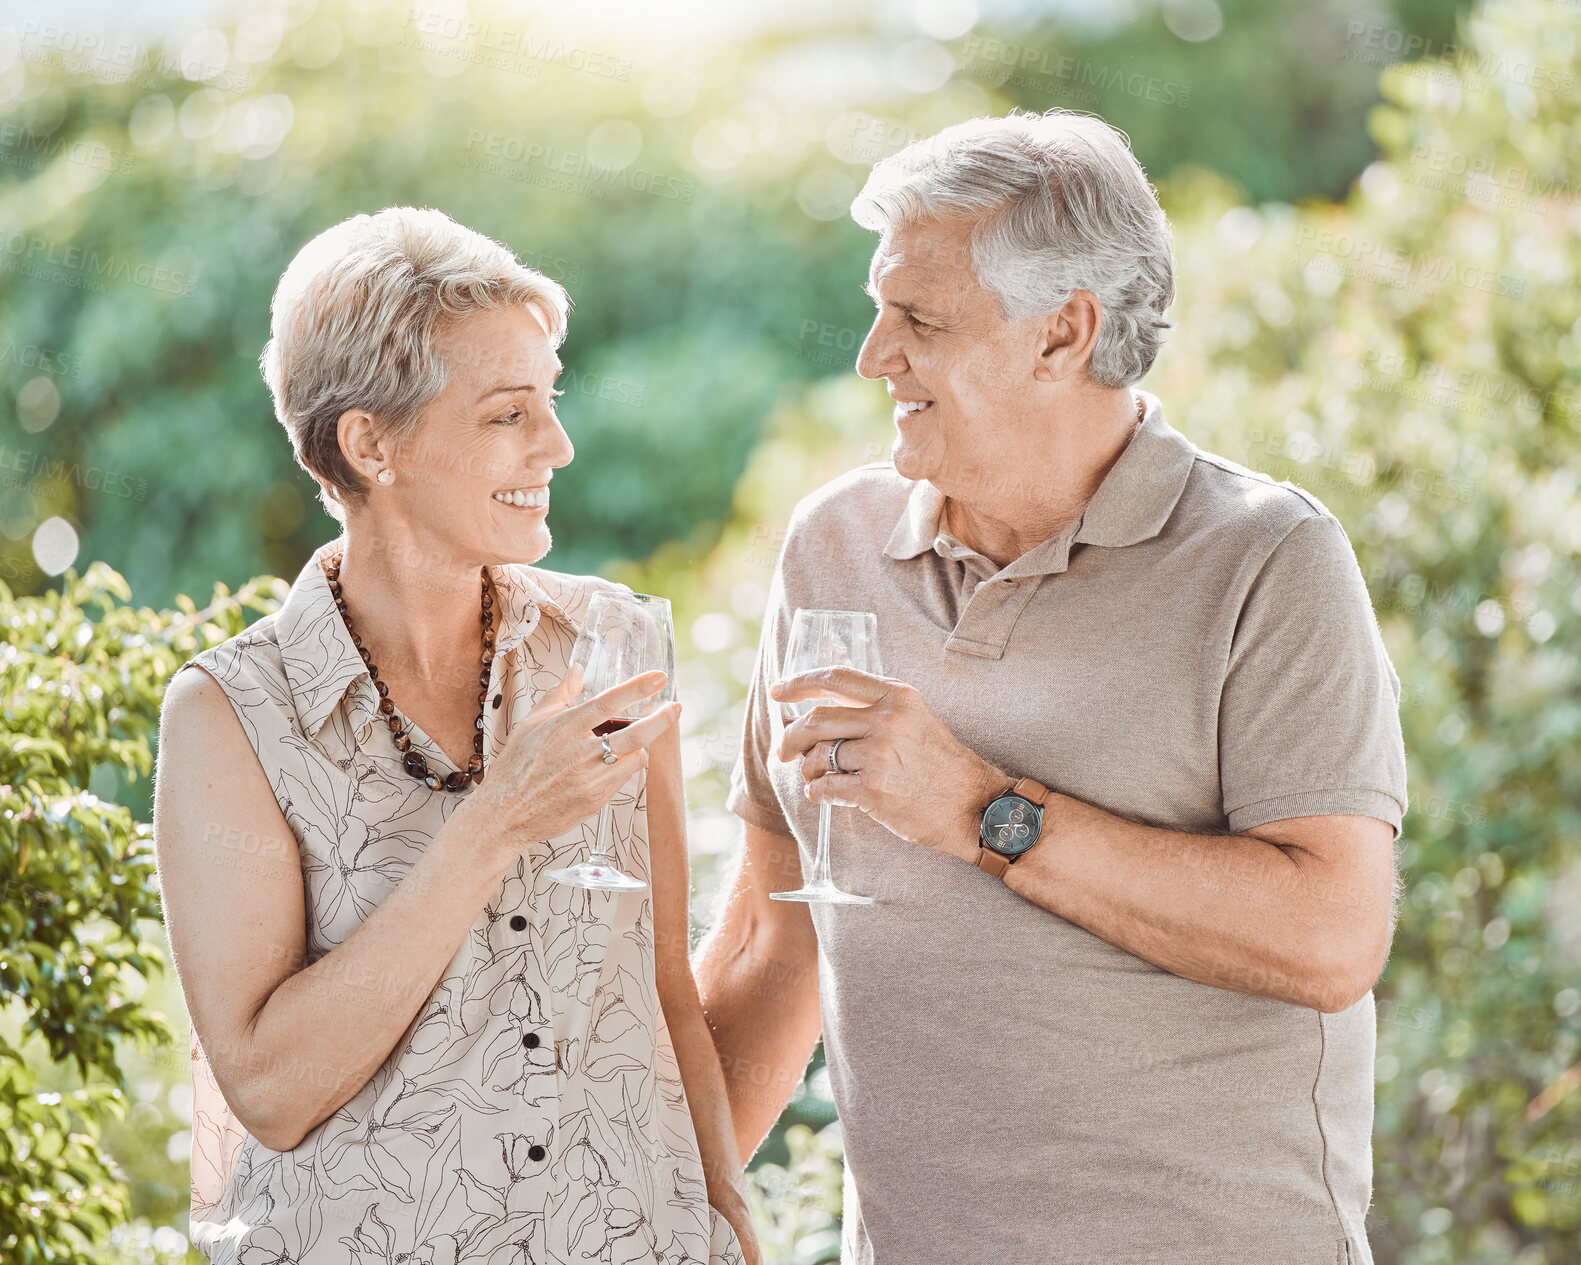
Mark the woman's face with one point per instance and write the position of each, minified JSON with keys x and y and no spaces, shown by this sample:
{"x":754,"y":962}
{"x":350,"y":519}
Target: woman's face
{"x":489,"y":439}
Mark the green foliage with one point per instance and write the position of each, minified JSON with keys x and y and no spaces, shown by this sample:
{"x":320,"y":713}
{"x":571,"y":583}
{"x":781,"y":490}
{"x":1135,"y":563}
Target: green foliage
{"x":81,"y":676}
{"x":1412,"y":358}
{"x":796,"y":1207}
{"x":1278,"y":108}
{"x":146,"y":214}
{"x":1411,"y":355}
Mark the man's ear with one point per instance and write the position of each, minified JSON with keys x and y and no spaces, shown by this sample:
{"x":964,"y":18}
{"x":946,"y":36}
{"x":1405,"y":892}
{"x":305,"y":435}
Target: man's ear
{"x":1066,"y":338}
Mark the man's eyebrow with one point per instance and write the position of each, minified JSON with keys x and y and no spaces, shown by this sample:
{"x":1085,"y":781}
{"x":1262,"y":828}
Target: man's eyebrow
{"x":910,"y":308}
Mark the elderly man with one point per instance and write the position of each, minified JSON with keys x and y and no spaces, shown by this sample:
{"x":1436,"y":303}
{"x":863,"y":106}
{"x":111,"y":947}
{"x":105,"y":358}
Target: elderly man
{"x":1126,"y":797}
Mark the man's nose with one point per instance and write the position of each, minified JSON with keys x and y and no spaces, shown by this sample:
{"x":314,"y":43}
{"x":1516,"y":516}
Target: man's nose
{"x":880,"y":356}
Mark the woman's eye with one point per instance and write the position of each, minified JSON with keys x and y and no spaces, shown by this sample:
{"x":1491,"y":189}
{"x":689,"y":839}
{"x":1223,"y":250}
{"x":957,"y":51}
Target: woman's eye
{"x":515,"y":416}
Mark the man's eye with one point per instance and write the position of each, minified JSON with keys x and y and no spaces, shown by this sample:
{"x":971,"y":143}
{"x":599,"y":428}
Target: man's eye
{"x":917,"y":324}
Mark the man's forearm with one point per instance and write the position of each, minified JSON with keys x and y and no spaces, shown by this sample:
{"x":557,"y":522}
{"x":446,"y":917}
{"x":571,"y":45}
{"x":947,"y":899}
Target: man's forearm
{"x":1230,"y":911}
{"x":763,"y":1013}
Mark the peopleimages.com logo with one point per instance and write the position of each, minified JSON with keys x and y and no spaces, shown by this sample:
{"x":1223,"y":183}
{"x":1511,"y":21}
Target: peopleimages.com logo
{"x":27,"y":252}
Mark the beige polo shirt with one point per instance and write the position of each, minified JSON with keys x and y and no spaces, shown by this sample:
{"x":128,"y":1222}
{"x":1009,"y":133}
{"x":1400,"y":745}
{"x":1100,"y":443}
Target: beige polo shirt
{"x":1197,"y":652}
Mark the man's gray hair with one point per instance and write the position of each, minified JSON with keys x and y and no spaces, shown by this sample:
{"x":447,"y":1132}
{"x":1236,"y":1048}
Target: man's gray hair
{"x":1061,"y":204}
{"x":356,"y":320}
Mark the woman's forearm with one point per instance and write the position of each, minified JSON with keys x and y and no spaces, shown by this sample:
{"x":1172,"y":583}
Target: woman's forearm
{"x":704,"y":1083}
{"x":326,"y":1029}
{"x":701,"y":1075}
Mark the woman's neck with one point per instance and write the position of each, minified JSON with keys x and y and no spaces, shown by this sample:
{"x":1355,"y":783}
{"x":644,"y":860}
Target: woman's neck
{"x":416,"y":608}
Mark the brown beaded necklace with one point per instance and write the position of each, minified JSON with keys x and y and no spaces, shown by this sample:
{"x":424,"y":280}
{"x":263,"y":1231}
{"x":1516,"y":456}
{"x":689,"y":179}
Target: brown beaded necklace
{"x":413,"y":761}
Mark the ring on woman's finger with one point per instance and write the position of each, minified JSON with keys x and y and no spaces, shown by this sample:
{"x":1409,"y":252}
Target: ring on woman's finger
{"x":834,"y":757}
{"x":609,"y":752}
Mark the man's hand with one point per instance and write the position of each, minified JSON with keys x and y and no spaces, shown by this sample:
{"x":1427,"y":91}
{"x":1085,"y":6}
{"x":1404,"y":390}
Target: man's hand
{"x":905,"y":769}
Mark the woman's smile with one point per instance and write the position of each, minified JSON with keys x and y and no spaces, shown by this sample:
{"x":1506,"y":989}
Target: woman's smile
{"x":533,"y":501}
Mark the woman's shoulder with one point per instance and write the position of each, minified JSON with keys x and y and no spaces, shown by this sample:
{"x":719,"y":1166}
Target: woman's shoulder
{"x":248,"y":666}
{"x":568,"y":594}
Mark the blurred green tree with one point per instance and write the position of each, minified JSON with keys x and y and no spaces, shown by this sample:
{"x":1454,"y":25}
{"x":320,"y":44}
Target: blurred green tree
{"x":693,"y":204}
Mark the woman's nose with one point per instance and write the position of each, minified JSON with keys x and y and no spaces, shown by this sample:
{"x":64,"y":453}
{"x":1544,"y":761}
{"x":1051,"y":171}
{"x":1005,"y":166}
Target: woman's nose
{"x":559,"y":450}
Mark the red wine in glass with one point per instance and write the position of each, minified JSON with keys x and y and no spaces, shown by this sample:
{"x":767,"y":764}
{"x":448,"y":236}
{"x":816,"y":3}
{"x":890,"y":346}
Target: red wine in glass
{"x":613,"y":725}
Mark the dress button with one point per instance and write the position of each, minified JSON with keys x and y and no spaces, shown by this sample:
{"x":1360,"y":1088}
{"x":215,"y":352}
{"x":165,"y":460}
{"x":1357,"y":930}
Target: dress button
{"x":518,"y":923}
{"x":531,"y":1040}
{"x":498,"y":698}
{"x":536,"y":1152}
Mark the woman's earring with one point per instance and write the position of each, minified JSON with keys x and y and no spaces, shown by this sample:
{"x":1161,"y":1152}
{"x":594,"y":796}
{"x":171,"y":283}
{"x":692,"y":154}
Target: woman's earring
{"x":386,"y":475}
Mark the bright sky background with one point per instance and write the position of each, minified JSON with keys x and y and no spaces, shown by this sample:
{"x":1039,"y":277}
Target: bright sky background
{"x":642,"y":20}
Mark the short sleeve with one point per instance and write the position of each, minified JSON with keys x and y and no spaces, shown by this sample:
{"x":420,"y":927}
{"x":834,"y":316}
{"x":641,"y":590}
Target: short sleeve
{"x":751,"y":795}
{"x":1309,"y":719}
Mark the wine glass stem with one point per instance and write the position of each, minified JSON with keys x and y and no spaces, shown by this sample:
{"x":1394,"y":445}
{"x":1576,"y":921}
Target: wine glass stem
{"x":599,"y":855}
{"x":820,"y":865}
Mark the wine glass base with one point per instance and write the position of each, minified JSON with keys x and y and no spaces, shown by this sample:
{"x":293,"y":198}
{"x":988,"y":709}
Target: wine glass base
{"x":823,"y":894}
{"x":605,"y":877}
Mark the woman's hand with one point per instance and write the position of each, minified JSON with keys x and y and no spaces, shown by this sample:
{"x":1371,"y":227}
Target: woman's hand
{"x":551,"y":772}
{"x":735,"y":1211}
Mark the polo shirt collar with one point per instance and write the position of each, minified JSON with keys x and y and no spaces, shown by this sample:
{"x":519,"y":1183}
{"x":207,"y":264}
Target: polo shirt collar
{"x":321,"y":663}
{"x":1131,"y":505}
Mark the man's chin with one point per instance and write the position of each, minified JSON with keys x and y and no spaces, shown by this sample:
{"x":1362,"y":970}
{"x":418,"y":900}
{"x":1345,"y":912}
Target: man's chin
{"x":910,"y":463}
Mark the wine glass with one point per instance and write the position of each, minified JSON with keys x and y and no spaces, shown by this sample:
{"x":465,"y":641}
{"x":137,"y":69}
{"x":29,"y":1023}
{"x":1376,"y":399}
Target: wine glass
{"x":828,"y":639}
{"x":622,"y":636}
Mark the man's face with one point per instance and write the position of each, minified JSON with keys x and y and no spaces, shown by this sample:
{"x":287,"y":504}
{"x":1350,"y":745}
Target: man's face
{"x":940,"y":340}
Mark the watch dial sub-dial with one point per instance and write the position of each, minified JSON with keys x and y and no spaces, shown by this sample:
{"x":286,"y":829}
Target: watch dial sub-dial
{"x":1013,"y":825}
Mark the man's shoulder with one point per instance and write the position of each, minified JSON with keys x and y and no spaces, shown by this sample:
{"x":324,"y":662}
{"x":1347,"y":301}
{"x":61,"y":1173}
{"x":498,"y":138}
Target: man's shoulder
{"x":869,"y":498}
{"x":1225,"y":496}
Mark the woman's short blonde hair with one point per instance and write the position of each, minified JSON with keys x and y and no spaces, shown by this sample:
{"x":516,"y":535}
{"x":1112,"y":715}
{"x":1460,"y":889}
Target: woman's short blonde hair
{"x":355,"y":323}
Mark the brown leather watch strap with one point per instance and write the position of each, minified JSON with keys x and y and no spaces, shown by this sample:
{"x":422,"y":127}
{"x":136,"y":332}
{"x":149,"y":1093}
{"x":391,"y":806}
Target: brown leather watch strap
{"x":1035,"y":791}
{"x":990,"y":861}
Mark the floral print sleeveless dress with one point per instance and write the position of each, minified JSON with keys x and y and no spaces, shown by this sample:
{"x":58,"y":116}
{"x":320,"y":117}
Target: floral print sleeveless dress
{"x":533,"y":1110}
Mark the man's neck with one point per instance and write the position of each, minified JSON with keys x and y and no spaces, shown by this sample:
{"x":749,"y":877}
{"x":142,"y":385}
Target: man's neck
{"x":1002,"y":528}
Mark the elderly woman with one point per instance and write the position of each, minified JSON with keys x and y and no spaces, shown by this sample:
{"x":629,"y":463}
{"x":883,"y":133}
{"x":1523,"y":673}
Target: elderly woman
{"x":408,"y":1044}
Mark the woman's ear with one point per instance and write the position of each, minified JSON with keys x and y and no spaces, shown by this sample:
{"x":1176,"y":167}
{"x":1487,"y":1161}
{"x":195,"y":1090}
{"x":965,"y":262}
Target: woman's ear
{"x":359,"y":440}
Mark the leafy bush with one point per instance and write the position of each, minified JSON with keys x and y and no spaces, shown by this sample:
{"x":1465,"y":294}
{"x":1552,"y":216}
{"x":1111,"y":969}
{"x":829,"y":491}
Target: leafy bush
{"x":81,"y":676}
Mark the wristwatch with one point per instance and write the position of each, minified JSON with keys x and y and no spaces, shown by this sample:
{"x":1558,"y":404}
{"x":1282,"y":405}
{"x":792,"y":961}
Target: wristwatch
{"x":1010,"y":825}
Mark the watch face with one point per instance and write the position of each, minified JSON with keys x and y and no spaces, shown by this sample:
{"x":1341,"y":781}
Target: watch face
{"x":1011,"y":824}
